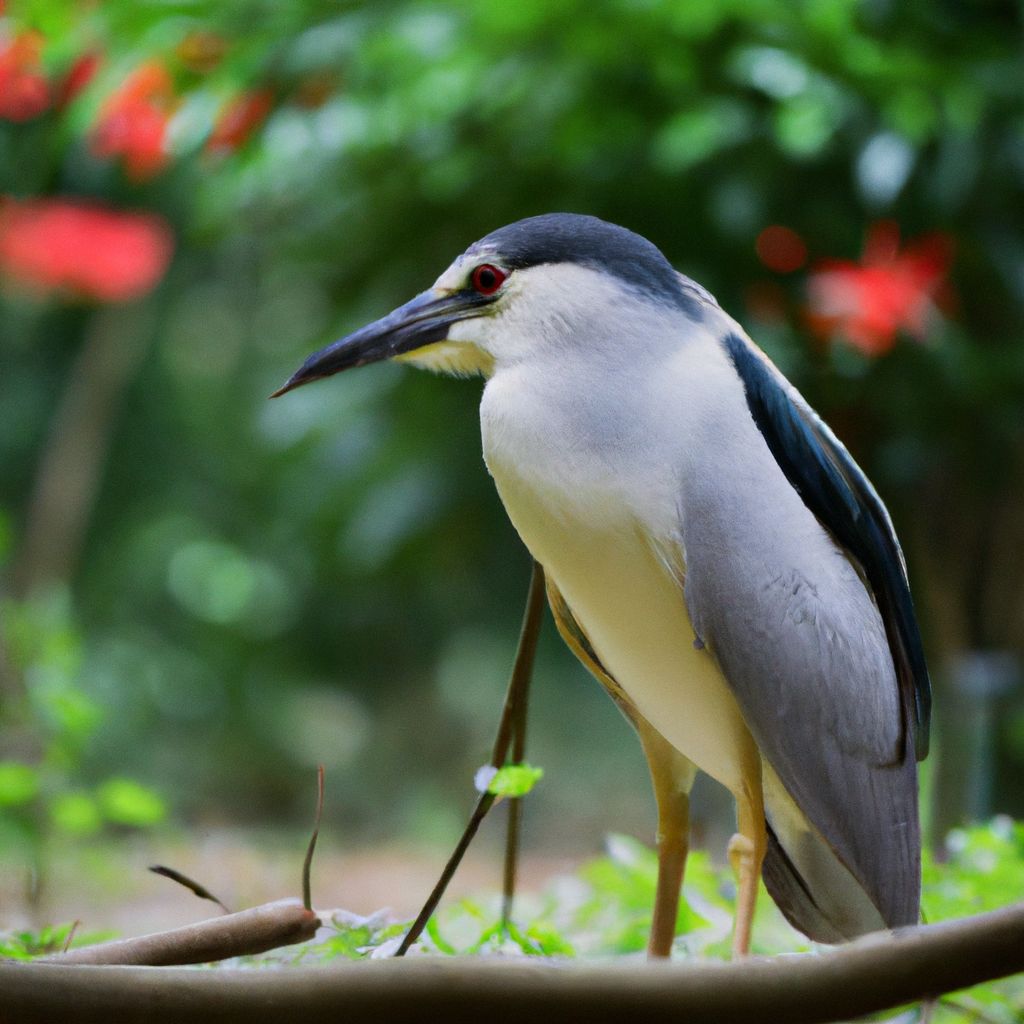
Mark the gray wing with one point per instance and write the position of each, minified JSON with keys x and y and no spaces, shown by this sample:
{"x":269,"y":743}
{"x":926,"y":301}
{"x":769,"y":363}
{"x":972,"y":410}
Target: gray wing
{"x":803,"y":628}
{"x":836,"y":490}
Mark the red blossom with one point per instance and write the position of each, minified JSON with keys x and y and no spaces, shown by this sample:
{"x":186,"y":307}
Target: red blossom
{"x":889,"y":291}
{"x":24,"y":90}
{"x":60,"y":245}
{"x":79,"y":75}
{"x":133,"y":122}
{"x":239,"y":119}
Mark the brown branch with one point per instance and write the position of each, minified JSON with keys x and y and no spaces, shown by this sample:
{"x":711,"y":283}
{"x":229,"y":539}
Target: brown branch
{"x":243,"y":934}
{"x":874,"y":974}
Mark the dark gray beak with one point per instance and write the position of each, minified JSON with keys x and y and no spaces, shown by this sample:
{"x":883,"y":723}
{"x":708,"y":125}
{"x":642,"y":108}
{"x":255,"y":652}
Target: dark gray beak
{"x":421,"y":321}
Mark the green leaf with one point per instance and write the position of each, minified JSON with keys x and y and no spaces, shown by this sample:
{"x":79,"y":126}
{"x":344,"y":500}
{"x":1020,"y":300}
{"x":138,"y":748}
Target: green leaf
{"x":435,"y":936}
{"x":19,"y":783}
{"x":514,"y":780}
{"x":126,"y":802}
{"x":76,"y":814}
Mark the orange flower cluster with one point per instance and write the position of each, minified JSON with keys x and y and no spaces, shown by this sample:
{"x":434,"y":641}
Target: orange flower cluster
{"x":85,"y":250}
{"x":82,"y":249}
{"x":24,"y":90}
{"x":239,"y":119}
{"x":133,"y":121}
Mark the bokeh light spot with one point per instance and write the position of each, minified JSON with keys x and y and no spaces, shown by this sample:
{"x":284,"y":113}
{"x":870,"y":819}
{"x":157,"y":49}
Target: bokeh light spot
{"x":781,"y":249}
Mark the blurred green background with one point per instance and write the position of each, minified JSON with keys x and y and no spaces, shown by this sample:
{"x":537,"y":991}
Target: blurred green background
{"x":205,"y":594}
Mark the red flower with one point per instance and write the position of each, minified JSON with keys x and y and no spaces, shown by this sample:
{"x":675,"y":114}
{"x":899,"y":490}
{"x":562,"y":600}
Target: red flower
{"x":24,"y":91}
{"x":133,"y":122}
{"x":79,"y":75}
{"x":85,"y":249}
{"x":870,"y":302}
{"x":239,"y":119}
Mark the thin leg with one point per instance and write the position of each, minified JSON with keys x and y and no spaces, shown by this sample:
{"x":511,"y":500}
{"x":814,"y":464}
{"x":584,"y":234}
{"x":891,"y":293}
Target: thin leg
{"x":672,"y":776}
{"x":746,"y":855}
{"x":518,"y":686}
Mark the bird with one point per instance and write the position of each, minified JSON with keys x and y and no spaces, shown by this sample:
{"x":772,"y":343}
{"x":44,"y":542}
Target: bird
{"x":712,"y":554}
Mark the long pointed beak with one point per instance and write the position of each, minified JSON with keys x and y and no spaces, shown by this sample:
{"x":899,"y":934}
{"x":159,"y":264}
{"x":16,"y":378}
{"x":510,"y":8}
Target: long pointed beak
{"x":421,"y":321}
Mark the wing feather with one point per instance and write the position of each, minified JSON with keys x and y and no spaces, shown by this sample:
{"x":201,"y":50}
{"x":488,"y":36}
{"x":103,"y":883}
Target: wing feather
{"x":836,"y":490}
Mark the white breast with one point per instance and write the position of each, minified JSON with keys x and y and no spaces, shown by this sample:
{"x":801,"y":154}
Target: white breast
{"x":590,"y":477}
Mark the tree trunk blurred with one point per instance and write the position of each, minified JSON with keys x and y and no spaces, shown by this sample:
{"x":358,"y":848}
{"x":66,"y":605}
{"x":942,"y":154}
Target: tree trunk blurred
{"x":71,"y":466}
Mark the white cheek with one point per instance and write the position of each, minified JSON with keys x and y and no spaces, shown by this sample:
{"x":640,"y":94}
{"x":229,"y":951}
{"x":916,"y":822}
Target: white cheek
{"x":466,"y":330}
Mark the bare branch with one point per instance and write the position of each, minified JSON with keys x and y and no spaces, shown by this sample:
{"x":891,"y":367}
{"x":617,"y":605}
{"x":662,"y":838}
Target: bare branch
{"x":250,"y":931}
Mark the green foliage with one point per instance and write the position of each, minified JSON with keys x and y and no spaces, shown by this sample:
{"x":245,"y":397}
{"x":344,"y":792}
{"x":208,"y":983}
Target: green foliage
{"x":43,"y":796}
{"x":25,"y":945}
{"x":18,"y":784}
{"x":125,"y":802}
{"x":984,"y":870}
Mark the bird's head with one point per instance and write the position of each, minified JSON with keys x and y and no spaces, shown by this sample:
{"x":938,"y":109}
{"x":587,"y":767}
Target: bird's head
{"x":533,"y":286}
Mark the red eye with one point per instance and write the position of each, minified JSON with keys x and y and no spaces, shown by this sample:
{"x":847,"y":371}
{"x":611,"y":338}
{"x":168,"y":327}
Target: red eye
{"x":487,"y":278}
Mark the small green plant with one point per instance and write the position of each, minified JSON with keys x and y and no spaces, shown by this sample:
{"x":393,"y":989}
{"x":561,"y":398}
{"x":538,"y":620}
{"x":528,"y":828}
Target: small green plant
{"x":50,"y":723}
{"x":26,"y":945}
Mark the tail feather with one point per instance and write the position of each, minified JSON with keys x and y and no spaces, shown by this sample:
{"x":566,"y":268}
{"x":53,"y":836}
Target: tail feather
{"x":791,"y":895}
{"x":818,"y":894}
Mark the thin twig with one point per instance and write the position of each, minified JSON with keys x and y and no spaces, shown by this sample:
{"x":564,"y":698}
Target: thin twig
{"x":75,"y":925}
{"x":189,"y":883}
{"x":307,"y":864}
{"x":519,"y":682}
{"x":483,"y":805}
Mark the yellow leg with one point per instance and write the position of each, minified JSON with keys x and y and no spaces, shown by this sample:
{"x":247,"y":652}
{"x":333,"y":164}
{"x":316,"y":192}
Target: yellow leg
{"x":672,"y":775}
{"x":746,"y":855}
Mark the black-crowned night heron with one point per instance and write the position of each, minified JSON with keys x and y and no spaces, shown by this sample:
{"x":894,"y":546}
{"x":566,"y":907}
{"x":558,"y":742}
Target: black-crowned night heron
{"x":713,"y":554}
